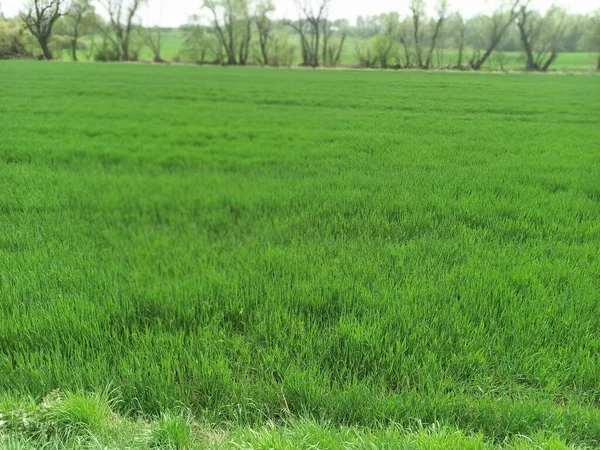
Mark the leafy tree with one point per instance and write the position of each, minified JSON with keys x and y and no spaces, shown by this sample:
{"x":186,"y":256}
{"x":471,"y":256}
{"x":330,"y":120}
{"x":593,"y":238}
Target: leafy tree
{"x":80,"y":21}
{"x":198,"y":43}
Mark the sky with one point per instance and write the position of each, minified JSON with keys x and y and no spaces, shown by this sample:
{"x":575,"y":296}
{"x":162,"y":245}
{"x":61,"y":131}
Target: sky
{"x":172,"y":13}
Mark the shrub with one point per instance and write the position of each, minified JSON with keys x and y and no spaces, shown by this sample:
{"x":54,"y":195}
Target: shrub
{"x":172,"y":431}
{"x":105,"y":53}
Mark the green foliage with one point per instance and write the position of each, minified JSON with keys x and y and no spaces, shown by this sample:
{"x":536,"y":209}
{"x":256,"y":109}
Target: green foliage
{"x":79,"y":414}
{"x":385,"y":50}
{"x":283,"y":51}
{"x":14,"y":41}
{"x":199,"y":45}
{"x":106,"y":52}
{"x":67,"y":416}
{"x":293,"y":435}
{"x":261,"y":245}
{"x":172,"y":431}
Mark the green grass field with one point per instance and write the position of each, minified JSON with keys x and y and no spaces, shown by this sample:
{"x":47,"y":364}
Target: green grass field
{"x":353,"y":248}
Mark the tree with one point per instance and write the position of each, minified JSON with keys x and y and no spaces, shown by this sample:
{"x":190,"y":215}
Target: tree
{"x":264,"y":25}
{"x":437,"y":27}
{"x":121,"y":16}
{"x":282,"y":51}
{"x":309,"y":27}
{"x":383,"y":44}
{"x":152,"y":37}
{"x":367,"y":26}
{"x":406,"y":36}
{"x":39,"y":18}
{"x":200,"y":43}
{"x":364,"y":55}
{"x":425,"y":33}
{"x":592,"y":35}
{"x":494,"y":28}
{"x":332,"y":50}
{"x":417,"y":9}
{"x":14,"y":40}
{"x":80,"y":20}
{"x":233,"y":25}
{"x":457,"y":30}
{"x":540,"y":36}
{"x":303,"y":29}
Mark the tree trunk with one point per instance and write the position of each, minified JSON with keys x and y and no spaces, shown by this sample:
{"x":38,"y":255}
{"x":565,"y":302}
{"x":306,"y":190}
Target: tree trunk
{"x":460,"y":53}
{"x":74,"y":46}
{"x":325,"y":40}
{"x":476,"y":65}
{"x":74,"y":50}
{"x":550,"y":61}
{"x":406,"y":53}
{"x":529,"y":63}
{"x":263,"y":41}
{"x":125,"y":50}
{"x":316,"y":49}
{"x":417,"y":43}
{"x":305,"y":56}
{"x":339,"y":52}
{"x":436,"y":33}
{"x":45,"y":49}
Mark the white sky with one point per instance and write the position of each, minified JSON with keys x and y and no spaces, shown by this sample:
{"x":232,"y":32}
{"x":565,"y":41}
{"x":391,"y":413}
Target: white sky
{"x":176,"y":12}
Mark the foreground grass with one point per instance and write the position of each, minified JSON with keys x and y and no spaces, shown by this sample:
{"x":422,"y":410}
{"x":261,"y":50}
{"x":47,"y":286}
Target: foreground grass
{"x":78,"y":421}
{"x":361,"y":249}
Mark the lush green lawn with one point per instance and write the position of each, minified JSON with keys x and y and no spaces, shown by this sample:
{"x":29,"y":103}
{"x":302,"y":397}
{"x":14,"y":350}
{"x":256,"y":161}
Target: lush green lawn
{"x":361,"y":248}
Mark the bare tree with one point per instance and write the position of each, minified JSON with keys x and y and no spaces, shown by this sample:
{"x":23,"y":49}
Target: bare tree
{"x":442,"y":11}
{"x":405,"y":36}
{"x":417,"y":9}
{"x":233,"y":26}
{"x":264,"y":27}
{"x":455,"y":36}
{"x":332,"y":49}
{"x":592,"y":36}
{"x":301,"y":27}
{"x":309,"y":28}
{"x":152,"y":37}
{"x":39,"y":18}
{"x":121,"y":15}
{"x":540,"y":36}
{"x":80,"y":18}
{"x":497,"y":26}
{"x":460,"y":41}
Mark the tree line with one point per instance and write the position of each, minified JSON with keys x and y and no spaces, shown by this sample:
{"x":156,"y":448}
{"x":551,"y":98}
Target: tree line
{"x":240,"y":32}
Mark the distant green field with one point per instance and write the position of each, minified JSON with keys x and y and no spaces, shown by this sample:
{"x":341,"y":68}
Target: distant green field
{"x":357,"y":248}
